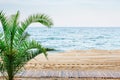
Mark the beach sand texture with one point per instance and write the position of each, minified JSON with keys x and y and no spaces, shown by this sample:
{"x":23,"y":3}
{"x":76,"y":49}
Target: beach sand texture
{"x":104,"y":63}
{"x":97,"y":63}
{"x":78,"y":60}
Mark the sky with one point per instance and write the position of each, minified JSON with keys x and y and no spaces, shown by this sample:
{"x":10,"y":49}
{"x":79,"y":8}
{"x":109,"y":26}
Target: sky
{"x":68,"y":13}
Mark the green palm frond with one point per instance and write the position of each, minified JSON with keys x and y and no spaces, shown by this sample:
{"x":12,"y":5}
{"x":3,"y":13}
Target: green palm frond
{"x":13,"y":31}
{"x":2,"y":46}
{"x":24,"y":36}
{"x":15,"y":49}
{"x":4,"y":23}
{"x":3,"y":20}
{"x":29,"y":50}
{"x":13,"y":23}
{"x":12,"y":19}
{"x":40,"y":18}
{"x":29,"y":46}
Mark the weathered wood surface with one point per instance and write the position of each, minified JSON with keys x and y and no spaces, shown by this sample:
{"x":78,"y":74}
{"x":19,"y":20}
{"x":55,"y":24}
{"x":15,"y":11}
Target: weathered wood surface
{"x":69,"y":74}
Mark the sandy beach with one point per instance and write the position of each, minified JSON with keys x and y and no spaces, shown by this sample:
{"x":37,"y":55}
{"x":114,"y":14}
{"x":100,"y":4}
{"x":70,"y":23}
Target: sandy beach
{"x":78,"y":60}
{"x":78,"y":64}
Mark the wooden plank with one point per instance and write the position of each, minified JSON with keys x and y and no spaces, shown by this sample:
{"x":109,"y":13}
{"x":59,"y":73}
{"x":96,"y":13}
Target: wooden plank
{"x":68,"y":74}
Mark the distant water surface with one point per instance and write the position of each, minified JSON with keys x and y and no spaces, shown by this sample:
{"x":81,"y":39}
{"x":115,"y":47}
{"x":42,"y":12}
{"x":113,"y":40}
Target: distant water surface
{"x":77,"y":38}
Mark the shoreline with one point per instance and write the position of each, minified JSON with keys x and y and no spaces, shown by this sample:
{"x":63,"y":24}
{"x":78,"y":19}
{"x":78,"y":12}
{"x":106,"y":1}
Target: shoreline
{"x":94,"y":49}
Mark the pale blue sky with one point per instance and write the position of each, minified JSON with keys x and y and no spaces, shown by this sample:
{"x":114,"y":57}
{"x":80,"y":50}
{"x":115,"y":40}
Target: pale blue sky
{"x":69,"y":12}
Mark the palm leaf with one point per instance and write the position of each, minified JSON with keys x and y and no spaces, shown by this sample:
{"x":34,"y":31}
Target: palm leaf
{"x":4,"y":23}
{"x":3,"y":20}
{"x":13,"y":31}
{"x":41,"y":18}
{"x":15,"y":49}
{"x":29,"y":50}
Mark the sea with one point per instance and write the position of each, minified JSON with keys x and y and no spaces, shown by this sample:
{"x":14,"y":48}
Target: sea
{"x":77,"y":38}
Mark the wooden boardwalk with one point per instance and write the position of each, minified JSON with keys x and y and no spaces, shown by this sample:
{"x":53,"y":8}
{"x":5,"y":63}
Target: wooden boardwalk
{"x":68,"y":74}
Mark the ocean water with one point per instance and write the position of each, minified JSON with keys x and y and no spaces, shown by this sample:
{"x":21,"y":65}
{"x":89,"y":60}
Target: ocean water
{"x":77,"y":38}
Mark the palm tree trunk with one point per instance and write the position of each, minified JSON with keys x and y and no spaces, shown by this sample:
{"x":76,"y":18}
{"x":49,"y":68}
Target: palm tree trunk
{"x":10,"y":68}
{"x":10,"y":77}
{"x":10,"y":74}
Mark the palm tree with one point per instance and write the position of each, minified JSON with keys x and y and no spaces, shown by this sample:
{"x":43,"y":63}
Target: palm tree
{"x":15,"y":49}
